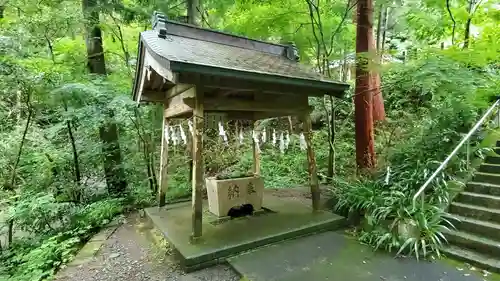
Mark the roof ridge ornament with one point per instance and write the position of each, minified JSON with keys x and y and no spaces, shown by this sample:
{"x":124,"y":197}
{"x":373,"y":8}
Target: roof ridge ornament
{"x":159,"y":22}
{"x":291,"y":51}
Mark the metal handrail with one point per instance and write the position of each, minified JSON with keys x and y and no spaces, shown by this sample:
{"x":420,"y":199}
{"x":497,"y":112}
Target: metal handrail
{"x":465,"y":139}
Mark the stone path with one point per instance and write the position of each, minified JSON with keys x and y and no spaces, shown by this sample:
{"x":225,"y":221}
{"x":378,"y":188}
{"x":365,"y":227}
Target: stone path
{"x":335,"y":257}
{"x":134,"y":252}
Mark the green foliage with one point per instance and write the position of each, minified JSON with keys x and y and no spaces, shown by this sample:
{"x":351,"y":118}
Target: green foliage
{"x":431,"y":100}
{"x":40,"y":262}
{"x":38,"y":258}
{"x":414,"y":232}
{"x":425,"y":123}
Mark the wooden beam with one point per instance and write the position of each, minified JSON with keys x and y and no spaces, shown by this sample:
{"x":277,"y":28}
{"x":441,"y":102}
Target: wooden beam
{"x":153,"y":96}
{"x":248,"y":115}
{"x":141,"y":85}
{"x":156,"y":81}
{"x":198,"y":179}
{"x":311,"y":159}
{"x":283,"y":105}
{"x":265,"y":115}
{"x":178,"y":110}
{"x":163,"y":70}
{"x":256,"y":106}
{"x":230,"y":83}
{"x":162,"y":190}
{"x":162,"y":96}
{"x":176,"y":105}
{"x":177,"y":90}
{"x":227,"y":92}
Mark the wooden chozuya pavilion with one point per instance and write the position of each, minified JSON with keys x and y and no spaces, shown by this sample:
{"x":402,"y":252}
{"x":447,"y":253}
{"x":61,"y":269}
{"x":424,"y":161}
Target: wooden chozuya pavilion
{"x":194,"y":71}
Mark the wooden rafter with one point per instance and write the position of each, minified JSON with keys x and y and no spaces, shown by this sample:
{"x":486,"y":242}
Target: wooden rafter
{"x":162,"y":70}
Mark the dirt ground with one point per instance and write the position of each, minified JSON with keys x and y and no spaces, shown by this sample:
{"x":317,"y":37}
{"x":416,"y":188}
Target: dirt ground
{"x":135,"y":252}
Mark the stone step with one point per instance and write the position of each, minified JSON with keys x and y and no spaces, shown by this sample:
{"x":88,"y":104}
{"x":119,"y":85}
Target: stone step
{"x":485,"y":262}
{"x":473,"y":242}
{"x":483,"y":200}
{"x":489,"y":168}
{"x":483,"y":188}
{"x":487,"y":178}
{"x":492,"y":159}
{"x":476,"y":212}
{"x":482,"y":228}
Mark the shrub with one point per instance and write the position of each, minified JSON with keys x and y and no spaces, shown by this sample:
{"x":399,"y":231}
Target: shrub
{"x":427,"y":123}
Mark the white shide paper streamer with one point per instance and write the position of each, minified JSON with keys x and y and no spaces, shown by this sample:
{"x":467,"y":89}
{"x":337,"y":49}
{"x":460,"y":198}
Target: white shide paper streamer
{"x":287,"y":140}
{"x":282,"y":143}
{"x":222,"y":133}
{"x":173,"y":136}
{"x":167,"y":134}
{"x":388,"y":175}
{"x":183,"y":135}
{"x":241,"y":138}
{"x":255,"y":138}
{"x":302,"y":141}
{"x":190,"y":126}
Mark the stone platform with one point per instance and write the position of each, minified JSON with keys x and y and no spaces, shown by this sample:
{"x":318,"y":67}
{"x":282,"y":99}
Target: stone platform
{"x":332,"y":256}
{"x":284,"y":218}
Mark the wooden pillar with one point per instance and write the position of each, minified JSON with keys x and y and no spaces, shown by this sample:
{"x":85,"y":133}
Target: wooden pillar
{"x":189,"y":149}
{"x":256,"y":154}
{"x":311,"y":159}
{"x":198,"y":179}
{"x":163,"y":163}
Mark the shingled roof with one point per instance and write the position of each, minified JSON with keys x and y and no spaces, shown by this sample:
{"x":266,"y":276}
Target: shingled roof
{"x":181,"y":48}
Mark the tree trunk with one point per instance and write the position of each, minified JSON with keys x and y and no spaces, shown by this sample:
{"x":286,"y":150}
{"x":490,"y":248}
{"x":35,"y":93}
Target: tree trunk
{"x":113,"y":170}
{"x":363,"y":99}
{"x":194,"y":12}
{"x":448,"y":8}
{"x":76,"y":162}
{"x":108,"y":132}
{"x":384,"y":29}
{"x":380,"y":28}
{"x":378,"y":100}
{"x":95,"y":51}
{"x":467,"y":24}
{"x":12,"y":183}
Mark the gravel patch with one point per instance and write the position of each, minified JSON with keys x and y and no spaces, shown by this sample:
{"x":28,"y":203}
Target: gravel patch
{"x":129,"y":254}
